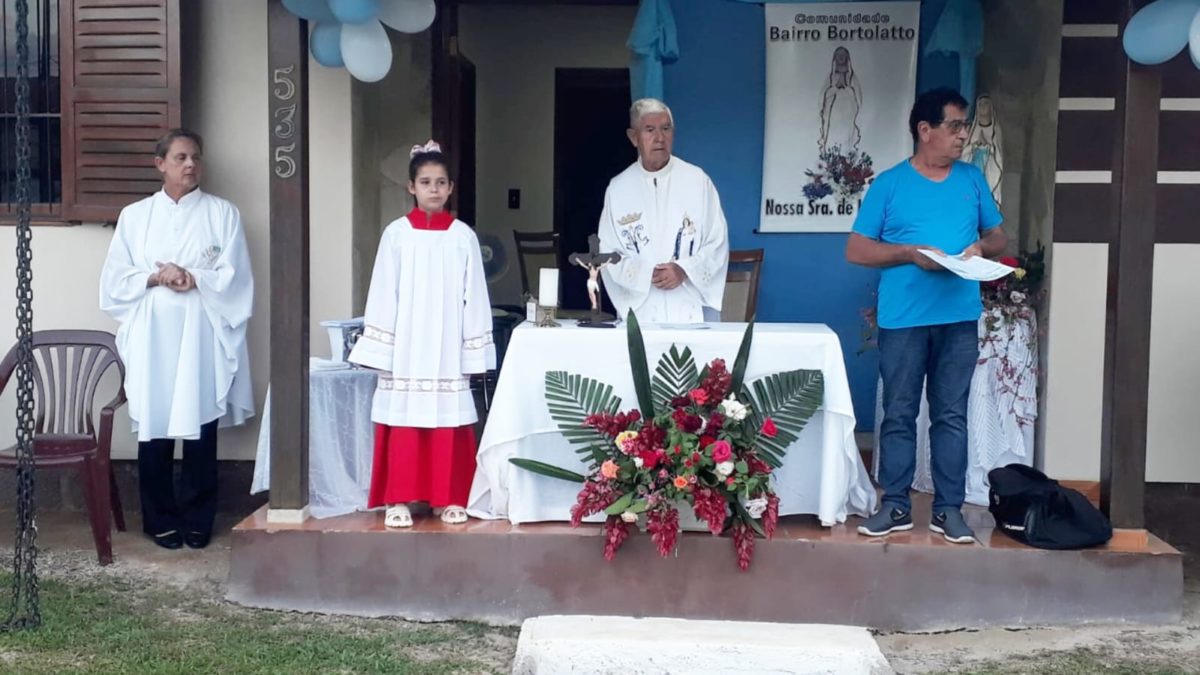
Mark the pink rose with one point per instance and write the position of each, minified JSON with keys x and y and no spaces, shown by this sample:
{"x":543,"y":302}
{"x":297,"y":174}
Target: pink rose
{"x":609,"y":469}
{"x":721,"y":451}
{"x":699,"y":396}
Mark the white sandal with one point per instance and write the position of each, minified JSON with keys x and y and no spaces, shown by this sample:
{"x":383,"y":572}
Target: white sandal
{"x":397,"y":515}
{"x":454,"y":515}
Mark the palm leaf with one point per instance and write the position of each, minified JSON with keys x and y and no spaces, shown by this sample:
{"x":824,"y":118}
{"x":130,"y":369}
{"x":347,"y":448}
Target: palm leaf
{"x":571,"y":398}
{"x":790,"y":399}
{"x":743,"y":357}
{"x":544,"y":469}
{"x":637,"y":363}
{"x":675,"y":376}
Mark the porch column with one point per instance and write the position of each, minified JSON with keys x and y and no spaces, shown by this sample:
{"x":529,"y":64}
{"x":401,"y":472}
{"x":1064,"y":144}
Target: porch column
{"x":287,"y":63}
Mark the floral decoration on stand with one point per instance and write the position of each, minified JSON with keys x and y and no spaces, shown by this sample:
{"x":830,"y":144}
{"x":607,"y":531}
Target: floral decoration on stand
{"x":698,"y":440}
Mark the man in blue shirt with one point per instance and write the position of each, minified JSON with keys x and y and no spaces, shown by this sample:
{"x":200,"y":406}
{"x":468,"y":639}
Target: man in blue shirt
{"x":927,"y":316}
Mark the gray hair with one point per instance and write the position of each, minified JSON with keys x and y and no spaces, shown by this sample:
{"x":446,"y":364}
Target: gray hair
{"x":163,"y":146}
{"x":647,"y":106}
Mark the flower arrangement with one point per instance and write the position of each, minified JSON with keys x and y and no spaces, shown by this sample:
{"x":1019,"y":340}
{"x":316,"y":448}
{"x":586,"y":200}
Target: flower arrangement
{"x":843,"y":174}
{"x":1013,"y":297}
{"x":699,"y":440}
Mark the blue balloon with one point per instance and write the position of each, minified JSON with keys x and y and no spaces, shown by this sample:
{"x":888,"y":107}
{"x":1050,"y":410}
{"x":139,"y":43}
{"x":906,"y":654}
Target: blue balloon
{"x":326,"y":44}
{"x":354,"y":11}
{"x":312,"y":10}
{"x":1159,"y":31}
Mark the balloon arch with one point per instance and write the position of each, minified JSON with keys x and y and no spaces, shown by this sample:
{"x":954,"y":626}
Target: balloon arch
{"x":1161,"y":30}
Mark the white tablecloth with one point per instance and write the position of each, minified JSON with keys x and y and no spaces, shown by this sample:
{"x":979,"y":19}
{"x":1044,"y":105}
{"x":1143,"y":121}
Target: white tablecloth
{"x":1001,"y":409}
{"x":823,"y":473}
{"x":340,"y":442}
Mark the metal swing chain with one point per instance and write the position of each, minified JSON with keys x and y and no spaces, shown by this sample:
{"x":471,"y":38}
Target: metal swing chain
{"x":25,"y":612}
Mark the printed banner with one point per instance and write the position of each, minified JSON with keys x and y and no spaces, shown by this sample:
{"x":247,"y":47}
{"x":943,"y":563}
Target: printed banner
{"x":841,"y":78}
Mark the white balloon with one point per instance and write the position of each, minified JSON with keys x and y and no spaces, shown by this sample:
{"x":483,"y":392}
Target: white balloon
{"x":407,"y":16}
{"x":366,"y":50}
{"x":1194,"y":40}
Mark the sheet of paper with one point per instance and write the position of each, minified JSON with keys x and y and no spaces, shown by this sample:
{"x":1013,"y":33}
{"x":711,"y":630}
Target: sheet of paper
{"x":974,"y":268}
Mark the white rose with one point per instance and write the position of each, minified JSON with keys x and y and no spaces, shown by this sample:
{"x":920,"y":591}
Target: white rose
{"x":731,"y":408}
{"x":638,"y":462}
{"x":756,"y":507}
{"x":1017,"y":296}
{"x":629,"y":517}
{"x":724,"y":469}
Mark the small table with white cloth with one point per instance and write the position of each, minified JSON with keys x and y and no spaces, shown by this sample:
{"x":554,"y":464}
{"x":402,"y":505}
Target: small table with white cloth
{"x":822,"y":473}
{"x":340,"y":439}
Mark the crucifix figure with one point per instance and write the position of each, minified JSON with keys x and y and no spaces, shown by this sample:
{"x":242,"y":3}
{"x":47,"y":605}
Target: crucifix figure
{"x":593,"y":261}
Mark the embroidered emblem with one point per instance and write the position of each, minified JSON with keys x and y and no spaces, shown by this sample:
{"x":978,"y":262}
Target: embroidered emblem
{"x":379,"y":335}
{"x":478,"y":342}
{"x":629,"y":219}
{"x":424,"y":385}
{"x":210,"y":255}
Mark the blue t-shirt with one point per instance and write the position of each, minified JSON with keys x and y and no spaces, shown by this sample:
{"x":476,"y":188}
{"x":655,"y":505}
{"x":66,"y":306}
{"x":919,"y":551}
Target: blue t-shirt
{"x":904,"y":207}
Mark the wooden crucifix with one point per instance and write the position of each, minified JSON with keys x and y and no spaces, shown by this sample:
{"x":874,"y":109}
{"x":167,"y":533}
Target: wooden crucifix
{"x":593,"y":261}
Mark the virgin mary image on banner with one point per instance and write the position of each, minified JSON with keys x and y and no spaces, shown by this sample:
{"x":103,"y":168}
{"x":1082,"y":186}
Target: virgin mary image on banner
{"x":840,"y":104}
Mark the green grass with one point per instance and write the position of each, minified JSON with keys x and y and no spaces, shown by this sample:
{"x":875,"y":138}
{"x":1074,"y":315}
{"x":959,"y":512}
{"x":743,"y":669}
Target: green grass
{"x":114,"y":626}
{"x":1077,"y":662}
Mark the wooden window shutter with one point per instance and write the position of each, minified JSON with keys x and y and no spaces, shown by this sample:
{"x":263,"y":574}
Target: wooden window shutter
{"x":120,"y":93}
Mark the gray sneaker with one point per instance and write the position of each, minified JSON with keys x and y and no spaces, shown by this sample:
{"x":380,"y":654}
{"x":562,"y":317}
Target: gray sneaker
{"x":886,"y":521}
{"x":950,"y":524}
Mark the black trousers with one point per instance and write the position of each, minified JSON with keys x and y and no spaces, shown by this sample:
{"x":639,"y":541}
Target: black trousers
{"x":196,"y":507}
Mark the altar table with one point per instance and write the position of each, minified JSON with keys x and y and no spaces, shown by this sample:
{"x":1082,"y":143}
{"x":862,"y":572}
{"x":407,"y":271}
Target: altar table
{"x":822,"y":474}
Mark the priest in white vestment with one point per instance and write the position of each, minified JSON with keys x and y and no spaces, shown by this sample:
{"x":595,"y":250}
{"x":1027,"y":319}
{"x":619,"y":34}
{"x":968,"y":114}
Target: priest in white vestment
{"x":177,"y":278}
{"x":664,"y":216}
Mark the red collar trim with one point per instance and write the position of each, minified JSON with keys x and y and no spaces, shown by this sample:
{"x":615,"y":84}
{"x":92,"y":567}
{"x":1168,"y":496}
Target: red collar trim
{"x":420,"y":221}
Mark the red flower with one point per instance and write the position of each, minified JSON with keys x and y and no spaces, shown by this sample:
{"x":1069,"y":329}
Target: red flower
{"x":616,"y":531}
{"x":706,"y":441}
{"x":769,"y":429}
{"x":770,"y":517}
{"x":696,"y":458}
{"x":730,"y":481}
{"x":722,"y":451}
{"x":743,"y":543}
{"x":663,"y":526}
{"x":687,"y":423}
{"x":716,"y":421}
{"x":699,"y":395}
{"x":651,"y":458}
{"x":710,"y":506}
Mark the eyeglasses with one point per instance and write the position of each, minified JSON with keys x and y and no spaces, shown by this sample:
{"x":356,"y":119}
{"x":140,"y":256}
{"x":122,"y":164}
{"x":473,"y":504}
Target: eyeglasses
{"x":954,"y":126}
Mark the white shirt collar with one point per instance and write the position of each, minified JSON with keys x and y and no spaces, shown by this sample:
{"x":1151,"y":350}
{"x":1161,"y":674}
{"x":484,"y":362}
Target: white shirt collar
{"x":661,"y":173}
{"x":190,"y":199}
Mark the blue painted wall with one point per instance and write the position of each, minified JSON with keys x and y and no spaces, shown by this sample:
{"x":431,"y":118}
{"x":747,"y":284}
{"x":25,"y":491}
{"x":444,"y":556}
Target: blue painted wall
{"x":717,"y":92}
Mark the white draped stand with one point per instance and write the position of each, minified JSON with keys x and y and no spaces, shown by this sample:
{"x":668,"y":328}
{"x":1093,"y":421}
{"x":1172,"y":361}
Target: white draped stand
{"x":1001,"y":410}
{"x":823,"y":473}
{"x":340,"y":441}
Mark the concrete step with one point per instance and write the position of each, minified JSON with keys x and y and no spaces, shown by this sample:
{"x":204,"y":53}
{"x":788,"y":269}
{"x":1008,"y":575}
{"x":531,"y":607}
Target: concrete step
{"x":579,"y":645}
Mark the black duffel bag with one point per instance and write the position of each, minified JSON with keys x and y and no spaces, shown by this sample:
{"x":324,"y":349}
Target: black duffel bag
{"x":1037,"y":511}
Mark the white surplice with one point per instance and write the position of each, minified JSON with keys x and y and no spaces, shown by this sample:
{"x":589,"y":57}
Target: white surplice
{"x":654,"y":217}
{"x":428,"y":326}
{"x":185,"y":353}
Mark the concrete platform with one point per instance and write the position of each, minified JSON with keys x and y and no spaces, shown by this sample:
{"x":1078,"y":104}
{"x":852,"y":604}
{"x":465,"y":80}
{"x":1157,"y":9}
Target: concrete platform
{"x":586,"y":645}
{"x":500,"y":573}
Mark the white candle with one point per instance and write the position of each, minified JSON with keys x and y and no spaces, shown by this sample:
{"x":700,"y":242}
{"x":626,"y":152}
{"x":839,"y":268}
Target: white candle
{"x":548,"y":287}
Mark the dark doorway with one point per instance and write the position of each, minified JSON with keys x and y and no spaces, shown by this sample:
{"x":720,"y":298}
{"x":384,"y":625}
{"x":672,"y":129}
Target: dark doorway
{"x":591,"y":114}
{"x":466,"y":137}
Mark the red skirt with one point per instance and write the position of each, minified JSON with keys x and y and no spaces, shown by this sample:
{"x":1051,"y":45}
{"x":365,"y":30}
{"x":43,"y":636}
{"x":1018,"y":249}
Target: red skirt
{"x":422,"y":465}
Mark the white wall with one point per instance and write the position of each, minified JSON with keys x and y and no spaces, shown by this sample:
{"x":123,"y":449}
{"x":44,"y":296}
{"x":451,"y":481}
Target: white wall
{"x":515,"y":50}
{"x":225,"y":100}
{"x":1075,"y":376}
{"x":1174,"y":400}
